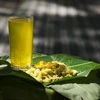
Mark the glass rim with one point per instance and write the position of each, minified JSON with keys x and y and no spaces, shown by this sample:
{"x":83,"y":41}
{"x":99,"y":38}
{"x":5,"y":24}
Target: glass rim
{"x":20,"y":16}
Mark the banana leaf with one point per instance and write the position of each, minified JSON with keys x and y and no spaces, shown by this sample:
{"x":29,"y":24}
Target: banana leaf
{"x":17,"y":85}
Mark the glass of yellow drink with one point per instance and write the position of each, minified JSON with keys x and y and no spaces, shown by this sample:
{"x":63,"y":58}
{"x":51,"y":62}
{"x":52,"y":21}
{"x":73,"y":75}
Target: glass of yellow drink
{"x":21,"y":41}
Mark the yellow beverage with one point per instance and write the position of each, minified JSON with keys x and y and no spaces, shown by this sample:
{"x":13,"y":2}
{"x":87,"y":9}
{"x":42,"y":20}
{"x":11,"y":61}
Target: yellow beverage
{"x":21,"y":38}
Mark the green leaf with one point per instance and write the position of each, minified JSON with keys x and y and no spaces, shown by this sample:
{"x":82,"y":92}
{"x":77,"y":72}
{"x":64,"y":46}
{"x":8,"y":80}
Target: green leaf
{"x":23,"y":76}
{"x":78,"y":91}
{"x":84,"y":88}
{"x":17,"y":85}
{"x":4,"y":57}
{"x":82,"y":66}
{"x":35,"y":55}
{"x":5,"y":67}
{"x":15,"y":88}
{"x":53,"y":95}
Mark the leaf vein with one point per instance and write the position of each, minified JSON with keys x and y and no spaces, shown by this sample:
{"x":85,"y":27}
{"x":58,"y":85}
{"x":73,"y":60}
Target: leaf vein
{"x":81,"y":64}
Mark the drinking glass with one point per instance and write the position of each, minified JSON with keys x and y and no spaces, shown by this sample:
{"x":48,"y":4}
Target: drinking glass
{"x":21,"y":41}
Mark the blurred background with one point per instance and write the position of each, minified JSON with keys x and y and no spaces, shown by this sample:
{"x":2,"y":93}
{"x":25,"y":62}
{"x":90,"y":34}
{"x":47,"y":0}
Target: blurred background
{"x":61,"y":26}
